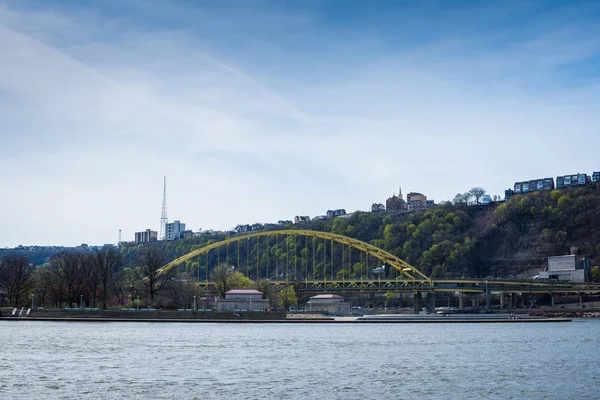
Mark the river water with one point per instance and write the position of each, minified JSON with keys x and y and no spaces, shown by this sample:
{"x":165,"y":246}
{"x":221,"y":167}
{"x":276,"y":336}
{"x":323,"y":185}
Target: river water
{"x":299,"y":361}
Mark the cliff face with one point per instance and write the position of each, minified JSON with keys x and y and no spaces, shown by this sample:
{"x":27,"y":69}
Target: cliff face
{"x":516,"y":236}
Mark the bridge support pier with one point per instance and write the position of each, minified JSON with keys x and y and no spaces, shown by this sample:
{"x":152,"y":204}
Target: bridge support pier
{"x":580,"y":300}
{"x":461,"y":301}
{"x":430,"y":303}
{"x":418,"y":302}
{"x":488,"y":300}
{"x":552,"y":299}
{"x":475,"y":301}
{"x":501,"y":300}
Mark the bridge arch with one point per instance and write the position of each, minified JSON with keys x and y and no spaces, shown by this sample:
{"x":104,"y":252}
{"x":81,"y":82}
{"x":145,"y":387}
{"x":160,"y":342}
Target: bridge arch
{"x":405,"y":269}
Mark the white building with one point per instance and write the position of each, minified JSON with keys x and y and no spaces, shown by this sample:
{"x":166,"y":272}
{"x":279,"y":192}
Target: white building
{"x":243,"y":300}
{"x":486,"y":199}
{"x":174,"y":230}
{"x":146,"y":236}
{"x":567,"y":268}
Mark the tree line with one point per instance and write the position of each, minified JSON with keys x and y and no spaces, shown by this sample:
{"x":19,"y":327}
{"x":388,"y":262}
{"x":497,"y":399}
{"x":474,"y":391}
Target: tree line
{"x":100,"y":279}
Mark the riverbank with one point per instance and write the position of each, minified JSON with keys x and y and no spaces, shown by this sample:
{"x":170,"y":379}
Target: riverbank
{"x":161,"y":316}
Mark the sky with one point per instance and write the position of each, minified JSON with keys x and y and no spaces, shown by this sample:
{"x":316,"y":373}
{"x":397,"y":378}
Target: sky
{"x":258,"y":111}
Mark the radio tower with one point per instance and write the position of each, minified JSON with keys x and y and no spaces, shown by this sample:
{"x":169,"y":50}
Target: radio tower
{"x":163,"y":216}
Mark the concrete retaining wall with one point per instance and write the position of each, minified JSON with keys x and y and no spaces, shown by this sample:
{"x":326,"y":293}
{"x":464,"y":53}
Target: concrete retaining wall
{"x":157,"y":314}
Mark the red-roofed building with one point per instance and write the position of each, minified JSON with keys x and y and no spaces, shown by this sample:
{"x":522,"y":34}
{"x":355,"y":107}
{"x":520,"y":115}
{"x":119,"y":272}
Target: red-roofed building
{"x":330,"y":303}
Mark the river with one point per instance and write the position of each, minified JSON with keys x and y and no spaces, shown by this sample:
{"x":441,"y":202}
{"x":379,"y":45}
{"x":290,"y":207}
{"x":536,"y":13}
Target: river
{"x":86,"y":360}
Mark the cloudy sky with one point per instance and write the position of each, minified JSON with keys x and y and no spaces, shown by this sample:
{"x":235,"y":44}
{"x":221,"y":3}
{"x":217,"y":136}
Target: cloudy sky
{"x":261,"y":110}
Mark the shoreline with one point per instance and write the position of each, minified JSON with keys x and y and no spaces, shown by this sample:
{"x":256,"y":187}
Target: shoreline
{"x":295,"y":320}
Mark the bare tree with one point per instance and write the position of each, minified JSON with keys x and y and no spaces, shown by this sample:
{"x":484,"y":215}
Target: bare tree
{"x":68,"y":273}
{"x":477,"y":192}
{"x":126,"y":285}
{"x":107,"y":265}
{"x":151,"y":279}
{"x":16,"y":277}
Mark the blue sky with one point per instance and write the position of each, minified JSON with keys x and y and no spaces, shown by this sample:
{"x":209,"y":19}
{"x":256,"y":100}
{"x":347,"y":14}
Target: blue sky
{"x":261,"y":110}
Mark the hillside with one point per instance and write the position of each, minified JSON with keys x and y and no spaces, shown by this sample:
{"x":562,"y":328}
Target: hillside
{"x":509,"y":239}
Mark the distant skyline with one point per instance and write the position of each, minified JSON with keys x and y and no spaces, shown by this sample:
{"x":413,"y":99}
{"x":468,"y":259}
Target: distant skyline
{"x":258,"y":111}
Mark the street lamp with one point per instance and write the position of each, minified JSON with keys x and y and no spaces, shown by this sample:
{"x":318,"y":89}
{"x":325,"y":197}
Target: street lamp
{"x":194,"y":308}
{"x":32,"y":295}
{"x":81,"y":302}
{"x":138,"y":301}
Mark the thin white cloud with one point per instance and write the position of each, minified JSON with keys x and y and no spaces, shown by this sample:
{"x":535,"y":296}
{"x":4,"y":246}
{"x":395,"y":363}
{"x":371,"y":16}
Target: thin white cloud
{"x":89,"y":125}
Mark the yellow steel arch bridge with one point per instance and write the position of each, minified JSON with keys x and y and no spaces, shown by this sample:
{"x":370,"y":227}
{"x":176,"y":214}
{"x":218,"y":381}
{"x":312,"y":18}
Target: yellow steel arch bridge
{"x":325,"y":263}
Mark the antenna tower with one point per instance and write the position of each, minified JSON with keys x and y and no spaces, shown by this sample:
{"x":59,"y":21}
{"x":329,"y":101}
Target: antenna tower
{"x":119,"y":242}
{"x":163,"y":217}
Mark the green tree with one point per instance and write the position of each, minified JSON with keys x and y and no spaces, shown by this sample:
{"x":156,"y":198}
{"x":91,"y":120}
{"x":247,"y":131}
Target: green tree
{"x":477,"y":192}
{"x":596,"y":274}
{"x":287,"y":297}
{"x":389,"y":296}
{"x":227,"y":278}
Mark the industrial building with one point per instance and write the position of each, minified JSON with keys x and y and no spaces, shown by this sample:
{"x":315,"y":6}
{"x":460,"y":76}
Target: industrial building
{"x":146,"y":236}
{"x":571,"y":268}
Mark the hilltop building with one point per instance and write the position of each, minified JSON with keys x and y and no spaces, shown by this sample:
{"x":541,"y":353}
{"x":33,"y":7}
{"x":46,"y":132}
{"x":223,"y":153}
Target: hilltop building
{"x":301,"y":219}
{"x":534,"y":185}
{"x":416,"y":200}
{"x":146,"y":236}
{"x":508,"y":193}
{"x":375,"y":207}
{"x":396,"y":202}
{"x":571,"y":180}
{"x":174,"y":230}
{"x":335,"y":213}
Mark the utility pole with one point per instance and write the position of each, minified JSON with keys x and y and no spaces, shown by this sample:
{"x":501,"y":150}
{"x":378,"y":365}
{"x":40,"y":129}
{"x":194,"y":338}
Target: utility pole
{"x":163,"y":217}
